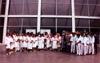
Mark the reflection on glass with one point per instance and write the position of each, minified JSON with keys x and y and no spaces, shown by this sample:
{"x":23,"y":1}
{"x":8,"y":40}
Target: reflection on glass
{"x":82,"y":23}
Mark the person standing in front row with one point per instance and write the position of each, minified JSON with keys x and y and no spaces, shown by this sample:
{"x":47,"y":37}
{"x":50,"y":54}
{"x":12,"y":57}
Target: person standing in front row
{"x":73,"y":39}
{"x":78,"y":44}
{"x":54,"y":43}
{"x":91,"y":44}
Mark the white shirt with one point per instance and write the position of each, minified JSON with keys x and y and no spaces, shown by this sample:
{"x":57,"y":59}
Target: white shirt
{"x":73,"y":39}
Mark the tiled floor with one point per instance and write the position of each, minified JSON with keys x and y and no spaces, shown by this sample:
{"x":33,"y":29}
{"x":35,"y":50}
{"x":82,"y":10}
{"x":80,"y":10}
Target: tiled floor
{"x":46,"y":57}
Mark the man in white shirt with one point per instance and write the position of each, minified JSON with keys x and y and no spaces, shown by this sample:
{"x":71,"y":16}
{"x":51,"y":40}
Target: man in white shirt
{"x":73,"y":39}
{"x":91,"y":44}
{"x":78,"y":44}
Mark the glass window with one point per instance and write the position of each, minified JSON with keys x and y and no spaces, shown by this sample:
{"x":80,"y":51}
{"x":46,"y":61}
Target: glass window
{"x":64,"y":22}
{"x":14,"y":21}
{"x":64,"y":1}
{"x":64,"y":9}
{"x":26,"y":7}
{"x":1,"y":21}
{"x":81,"y":1}
{"x":82,"y":23}
{"x":1,"y":34}
{"x":81,"y":10}
{"x":48,"y":9}
{"x":17,"y":1}
{"x":31,"y":1}
{"x":16,"y":9}
{"x":49,"y":1}
{"x":95,"y":23}
{"x":30,"y":8}
{"x":2,"y":6}
{"x":94,"y":10}
{"x":14,"y":29}
{"x":29,"y":21}
{"x":95,"y":2}
{"x":47,"y":22}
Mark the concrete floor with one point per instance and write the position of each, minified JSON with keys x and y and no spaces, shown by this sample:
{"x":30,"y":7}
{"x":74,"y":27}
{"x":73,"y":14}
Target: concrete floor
{"x":46,"y":57}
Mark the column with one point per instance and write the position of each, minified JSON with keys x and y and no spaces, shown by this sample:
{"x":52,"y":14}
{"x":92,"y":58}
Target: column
{"x":5,"y":20}
{"x":39,"y":16}
{"x":73,"y":15}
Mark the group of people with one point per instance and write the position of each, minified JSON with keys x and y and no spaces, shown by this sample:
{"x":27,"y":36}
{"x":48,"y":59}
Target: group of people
{"x":30,"y":42}
{"x":77,"y":43}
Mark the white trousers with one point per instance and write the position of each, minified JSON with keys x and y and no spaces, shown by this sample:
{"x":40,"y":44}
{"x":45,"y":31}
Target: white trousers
{"x":72,"y":47}
{"x":83,"y":50}
{"x":78,"y":49}
{"x":18,"y":46}
{"x":91,"y":49}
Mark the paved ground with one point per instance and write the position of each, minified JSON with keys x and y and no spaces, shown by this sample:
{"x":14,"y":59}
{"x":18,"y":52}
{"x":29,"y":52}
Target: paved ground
{"x":46,"y":57}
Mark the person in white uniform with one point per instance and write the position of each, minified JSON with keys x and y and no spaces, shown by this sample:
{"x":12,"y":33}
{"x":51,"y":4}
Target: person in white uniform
{"x":91,"y":44}
{"x":87,"y":44}
{"x":7,"y":43}
{"x":54,"y":43}
{"x":73,"y":39}
{"x":47,"y":42}
{"x":30,"y":44}
{"x":78,"y":44}
{"x":41,"y":42}
{"x":25,"y":42}
{"x":21,"y":41}
{"x":12,"y":44}
{"x":17,"y":42}
{"x":84,"y":44}
{"x":34,"y":42}
{"x":58,"y":42}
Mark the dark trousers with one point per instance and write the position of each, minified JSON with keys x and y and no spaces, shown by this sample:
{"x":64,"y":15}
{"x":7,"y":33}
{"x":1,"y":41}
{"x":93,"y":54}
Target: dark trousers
{"x":68,"y":47}
{"x":95,"y":46}
{"x":64,"y":48}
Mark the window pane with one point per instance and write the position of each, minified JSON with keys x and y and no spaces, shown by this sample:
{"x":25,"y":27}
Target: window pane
{"x":47,"y":22}
{"x":1,"y":34}
{"x":1,"y":21}
{"x":95,"y":23}
{"x":64,"y":9}
{"x":31,"y":1}
{"x":81,"y":1}
{"x":94,"y":10}
{"x":64,"y":22}
{"x":64,"y":1}
{"x":81,"y":10}
{"x":16,"y":9}
{"x":30,"y":8}
{"x":48,"y":9}
{"x":29,"y":21}
{"x":49,"y":1}
{"x":96,"y":2}
{"x":14,"y":29}
{"x":14,"y":21}
{"x":82,"y":23}
{"x":16,"y":1}
{"x":2,"y":7}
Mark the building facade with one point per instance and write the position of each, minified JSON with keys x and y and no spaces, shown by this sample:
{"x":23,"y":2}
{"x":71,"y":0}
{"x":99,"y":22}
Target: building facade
{"x":56,"y":15}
